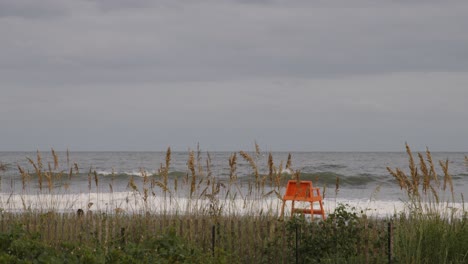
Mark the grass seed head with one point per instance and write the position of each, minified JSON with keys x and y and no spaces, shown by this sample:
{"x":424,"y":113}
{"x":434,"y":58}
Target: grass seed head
{"x":55,"y":156}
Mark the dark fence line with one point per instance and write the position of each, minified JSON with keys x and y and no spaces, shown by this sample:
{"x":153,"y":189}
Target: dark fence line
{"x":246,"y":239}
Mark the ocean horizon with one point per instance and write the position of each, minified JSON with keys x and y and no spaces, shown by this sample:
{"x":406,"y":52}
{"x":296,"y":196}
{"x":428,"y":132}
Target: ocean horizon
{"x":360,"y":179}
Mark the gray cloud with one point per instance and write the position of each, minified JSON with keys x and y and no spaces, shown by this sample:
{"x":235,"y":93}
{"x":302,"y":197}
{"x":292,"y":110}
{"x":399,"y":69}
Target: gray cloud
{"x":193,"y":41}
{"x":31,"y":9}
{"x":332,"y":75}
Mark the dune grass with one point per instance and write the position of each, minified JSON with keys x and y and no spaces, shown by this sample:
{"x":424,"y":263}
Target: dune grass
{"x":208,"y":219}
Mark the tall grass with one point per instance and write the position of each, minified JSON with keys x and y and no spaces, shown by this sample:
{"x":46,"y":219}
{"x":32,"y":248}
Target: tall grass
{"x":244,"y":213}
{"x":427,"y":193}
{"x":433,"y":229}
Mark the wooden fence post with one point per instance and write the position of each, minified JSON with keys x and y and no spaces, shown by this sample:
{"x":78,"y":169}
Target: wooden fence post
{"x":390,"y":242}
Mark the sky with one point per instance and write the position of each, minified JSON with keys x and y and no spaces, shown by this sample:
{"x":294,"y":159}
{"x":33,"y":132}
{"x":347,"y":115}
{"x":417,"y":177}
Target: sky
{"x":291,"y":75}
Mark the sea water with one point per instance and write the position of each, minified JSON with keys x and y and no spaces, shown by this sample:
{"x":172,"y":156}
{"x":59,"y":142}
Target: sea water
{"x":361,"y":177}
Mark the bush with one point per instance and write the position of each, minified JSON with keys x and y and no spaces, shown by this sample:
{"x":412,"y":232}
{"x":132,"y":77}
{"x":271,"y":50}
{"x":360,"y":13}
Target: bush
{"x":19,"y":246}
{"x":340,"y":238}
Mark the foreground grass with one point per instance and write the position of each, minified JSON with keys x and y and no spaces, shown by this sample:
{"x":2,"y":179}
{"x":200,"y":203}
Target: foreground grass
{"x":346,"y":236}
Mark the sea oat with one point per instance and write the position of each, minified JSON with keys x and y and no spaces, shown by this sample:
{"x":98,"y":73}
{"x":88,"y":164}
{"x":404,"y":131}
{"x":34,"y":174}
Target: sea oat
{"x":251,"y":161}
{"x":38,"y":172}
{"x":191,"y":166}
{"x":413,"y":168}
{"x":447,"y":177}
{"x":68,"y":158}
{"x":431,"y":163}
{"x":56,"y":162}
{"x":425,"y":173}
{"x":232,"y":166}
{"x":337,"y":185}
{"x":288,"y":162}
{"x":257,"y":150}
{"x":270,"y":165}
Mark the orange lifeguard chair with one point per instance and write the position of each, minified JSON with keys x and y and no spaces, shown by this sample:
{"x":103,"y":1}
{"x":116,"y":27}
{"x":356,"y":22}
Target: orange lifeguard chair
{"x":303,"y":191}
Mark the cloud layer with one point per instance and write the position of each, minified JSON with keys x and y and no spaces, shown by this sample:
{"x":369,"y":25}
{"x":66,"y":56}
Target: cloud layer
{"x":300,"y":75}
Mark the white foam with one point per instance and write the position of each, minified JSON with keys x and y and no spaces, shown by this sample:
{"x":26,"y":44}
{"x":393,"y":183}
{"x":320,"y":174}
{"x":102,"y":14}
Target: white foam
{"x":133,"y":202}
{"x":138,"y":173}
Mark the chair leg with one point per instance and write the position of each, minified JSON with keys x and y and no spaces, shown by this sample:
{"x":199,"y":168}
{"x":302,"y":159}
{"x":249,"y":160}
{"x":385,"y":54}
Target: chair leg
{"x":321,"y":209}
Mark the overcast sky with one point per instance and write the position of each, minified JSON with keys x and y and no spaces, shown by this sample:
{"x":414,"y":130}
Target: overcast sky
{"x":293,"y":75}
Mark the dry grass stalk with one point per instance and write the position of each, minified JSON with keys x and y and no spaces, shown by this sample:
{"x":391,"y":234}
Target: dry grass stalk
{"x":376,"y":191}
{"x":168,"y":157}
{"x":160,"y":185}
{"x":191,"y":166}
{"x":434,"y":193}
{"x":56,"y":161}
{"x":405,"y":181}
{"x":49,"y":177}
{"x":145,"y":194}
{"x":413,"y":168}
{"x":68,"y":158}
{"x":39,"y":160}
{"x":25,"y":177}
{"x":270,"y":165}
{"x":411,"y":184}
{"x":425,"y":173}
{"x":251,"y":161}
{"x":279,"y":174}
{"x":90,"y":173}
{"x":96,"y":179}
{"x":337,"y":186}
{"x":146,"y":179}
{"x":165,"y":170}
{"x":288,"y":162}
{"x":257,"y":150}
{"x":447,"y":177}
{"x":199,"y":162}
{"x":38,"y":171}
{"x":401,"y":178}
{"x":208,"y":166}
{"x":77,"y":170}
{"x":132,"y":185}
{"x":431,"y":163}
{"x":396,"y":176}
{"x":232,"y":167}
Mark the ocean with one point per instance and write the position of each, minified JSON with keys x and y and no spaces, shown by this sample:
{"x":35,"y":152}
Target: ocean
{"x":364,"y":181}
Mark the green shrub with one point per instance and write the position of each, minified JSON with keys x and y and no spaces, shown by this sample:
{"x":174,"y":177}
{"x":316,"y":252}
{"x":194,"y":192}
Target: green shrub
{"x":18,"y":246}
{"x":340,"y":238}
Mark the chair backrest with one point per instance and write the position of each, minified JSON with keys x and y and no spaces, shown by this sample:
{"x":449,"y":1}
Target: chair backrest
{"x":298,"y":191}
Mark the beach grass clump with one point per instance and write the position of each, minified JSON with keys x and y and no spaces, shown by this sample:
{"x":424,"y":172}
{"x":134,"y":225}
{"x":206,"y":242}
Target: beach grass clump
{"x":427,"y":192}
{"x":433,"y":229}
{"x":426,"y":239}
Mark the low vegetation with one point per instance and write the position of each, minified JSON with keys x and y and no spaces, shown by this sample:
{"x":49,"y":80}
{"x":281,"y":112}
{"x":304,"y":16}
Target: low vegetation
{"x":207,"y":228}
